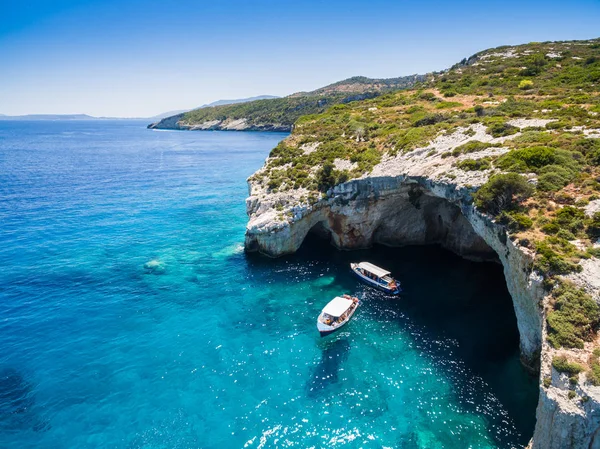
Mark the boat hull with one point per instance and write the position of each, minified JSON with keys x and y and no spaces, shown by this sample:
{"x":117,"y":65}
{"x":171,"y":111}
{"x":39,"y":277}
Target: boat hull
{"x":326,"y":333}
{"x":325,"y":330}
{"x":376,"y":284}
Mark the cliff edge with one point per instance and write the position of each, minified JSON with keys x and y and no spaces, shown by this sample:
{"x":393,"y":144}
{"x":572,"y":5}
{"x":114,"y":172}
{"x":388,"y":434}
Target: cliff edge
{"x":495,"y":159}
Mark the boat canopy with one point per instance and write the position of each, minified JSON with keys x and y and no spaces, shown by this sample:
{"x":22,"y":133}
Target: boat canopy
{"x":379,"y":272}
{"x":337,"y":306}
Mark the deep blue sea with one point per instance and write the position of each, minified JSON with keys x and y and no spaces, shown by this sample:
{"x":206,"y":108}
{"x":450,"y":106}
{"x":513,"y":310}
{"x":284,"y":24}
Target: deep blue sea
{"x":130,"y":316}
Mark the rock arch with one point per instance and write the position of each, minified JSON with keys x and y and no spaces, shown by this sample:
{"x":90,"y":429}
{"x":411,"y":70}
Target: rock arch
{"x":398,"y":211}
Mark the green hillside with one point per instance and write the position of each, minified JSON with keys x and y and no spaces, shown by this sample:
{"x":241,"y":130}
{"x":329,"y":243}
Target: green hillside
{"x":279,"y":114}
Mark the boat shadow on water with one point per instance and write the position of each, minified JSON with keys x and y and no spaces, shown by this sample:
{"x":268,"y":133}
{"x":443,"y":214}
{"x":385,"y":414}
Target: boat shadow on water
{"x":326,"y":373}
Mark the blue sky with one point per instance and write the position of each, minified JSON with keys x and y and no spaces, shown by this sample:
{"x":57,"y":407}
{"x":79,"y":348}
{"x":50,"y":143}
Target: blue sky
{"x":141,"y":58}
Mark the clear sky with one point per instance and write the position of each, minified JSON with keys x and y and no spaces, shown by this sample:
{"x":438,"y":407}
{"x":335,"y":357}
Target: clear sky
{"x":141,"y":58}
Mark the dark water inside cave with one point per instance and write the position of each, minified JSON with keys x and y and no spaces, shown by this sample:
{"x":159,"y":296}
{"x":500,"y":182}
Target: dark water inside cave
{"x":458,"y":312}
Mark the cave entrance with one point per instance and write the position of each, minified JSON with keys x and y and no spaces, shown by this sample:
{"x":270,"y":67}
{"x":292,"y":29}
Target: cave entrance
{"x":414,"y":216}
{"x":320,"y":231}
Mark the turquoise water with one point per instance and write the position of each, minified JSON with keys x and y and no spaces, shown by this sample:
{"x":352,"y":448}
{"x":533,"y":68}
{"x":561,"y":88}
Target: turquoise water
{"x":131,"y":318}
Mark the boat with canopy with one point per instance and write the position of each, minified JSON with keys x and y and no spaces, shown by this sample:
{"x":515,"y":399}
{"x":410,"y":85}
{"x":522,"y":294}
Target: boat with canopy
{"x":377,"y":277}
{"x":336,"y":314}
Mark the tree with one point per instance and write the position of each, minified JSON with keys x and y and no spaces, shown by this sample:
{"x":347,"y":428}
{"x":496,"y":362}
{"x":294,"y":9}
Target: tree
{"x":502,"y":192}
{"x":326,"y":177}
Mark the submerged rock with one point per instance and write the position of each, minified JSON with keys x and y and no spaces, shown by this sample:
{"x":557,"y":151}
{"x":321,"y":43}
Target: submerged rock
{"x":155,"y":266}
{"x":17,"y":404}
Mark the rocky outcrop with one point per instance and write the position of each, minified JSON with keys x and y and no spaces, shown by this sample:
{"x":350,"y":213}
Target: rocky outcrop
{"x":178,"y":122}
{"x":422,"y":198}
{"x":172,"y":122}
{"x":408,"y":210}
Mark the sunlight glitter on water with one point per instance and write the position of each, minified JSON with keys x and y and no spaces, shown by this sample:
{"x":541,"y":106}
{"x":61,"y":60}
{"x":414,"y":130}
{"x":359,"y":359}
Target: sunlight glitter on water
{"x":132,"y":317}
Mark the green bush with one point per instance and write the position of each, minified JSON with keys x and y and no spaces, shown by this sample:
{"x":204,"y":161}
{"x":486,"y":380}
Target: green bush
{"x":515,"y":221}
{"x":502,"y":192}
{"x":551,"y":182}
{"x":474,"y":164}
{"x":502,"y":129}
{"x":421,"y":119}
{"x":409,"y":139}
{"x":554,"y":257}
{"x":593,"y":374}
{"x":574,"y":319}
{"x":554,"y":177}
{"x":527,"y":159}
{"x":562,"y":364}
{"x":472,"y":147}
{"x":593,"y":226}
{"x":526,"y":84}
{"x":326,"y":177}
{"x":547,"y":381}
{"x":571,"y":394}
{"x":568,"y":218}
{"x":533,"y":137}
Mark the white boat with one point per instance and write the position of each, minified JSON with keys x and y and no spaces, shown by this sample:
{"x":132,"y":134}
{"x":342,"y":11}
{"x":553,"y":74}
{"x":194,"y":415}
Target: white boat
{"x":376,"y":277}
{"x":336,"y":314}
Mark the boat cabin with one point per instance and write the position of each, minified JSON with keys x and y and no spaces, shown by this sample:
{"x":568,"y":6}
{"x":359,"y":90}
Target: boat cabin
{"x":337,"y":310}
{"x":336,"y":314}
{"x":376,"y":276}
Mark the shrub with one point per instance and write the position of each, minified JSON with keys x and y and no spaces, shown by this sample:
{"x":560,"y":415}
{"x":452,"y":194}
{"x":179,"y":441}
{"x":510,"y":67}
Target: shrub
{"x":427,"y":119}
{"x":527,"y":159}
{"x":569,"y":218}
{"x":409,"y":139}
{"x":472,"y":147}
{"x":533,"y":137}
{"x":593,"y":226}
{"x":593,"y":374}
{"x":474,"y":164}
{"x":551,"y":182}
{"x":526,"y":85}
{"x":502,"y":129}
{"x":326,"y":177}
{"x":534,"y":65}
{"x":553,"y":257}
{"x":502,"y":192}
{"x":554,"y":177}
{"x":574,"y":319}
{"x":562,"y":364}
{"x":515,"y":221}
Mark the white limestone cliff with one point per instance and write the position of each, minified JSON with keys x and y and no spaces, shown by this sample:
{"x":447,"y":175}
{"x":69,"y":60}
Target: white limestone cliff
{"x":422,"y":198}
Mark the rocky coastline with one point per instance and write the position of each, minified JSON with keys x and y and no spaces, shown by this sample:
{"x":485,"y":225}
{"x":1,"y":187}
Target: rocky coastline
{"x":417,"y":199}
{"x":177,"y":122}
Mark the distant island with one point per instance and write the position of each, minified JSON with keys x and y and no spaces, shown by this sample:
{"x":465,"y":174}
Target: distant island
{"x":48,"y":117}
{"x":153,"y":118}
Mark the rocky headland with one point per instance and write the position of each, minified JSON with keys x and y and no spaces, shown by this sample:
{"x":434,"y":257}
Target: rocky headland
{"x":495,"y":159}
{"x":279,"y":114}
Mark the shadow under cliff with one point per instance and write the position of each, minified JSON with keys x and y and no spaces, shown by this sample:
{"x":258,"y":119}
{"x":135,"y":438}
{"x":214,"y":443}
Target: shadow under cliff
{"x":448,"y":298}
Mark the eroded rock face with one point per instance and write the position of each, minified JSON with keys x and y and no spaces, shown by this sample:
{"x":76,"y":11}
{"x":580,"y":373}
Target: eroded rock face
{"x":422,"y":198}
{"x":398,"y":211}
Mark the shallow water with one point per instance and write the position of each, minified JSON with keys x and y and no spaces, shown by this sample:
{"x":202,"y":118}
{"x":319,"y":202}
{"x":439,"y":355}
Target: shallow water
{"x":130,"y":316}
